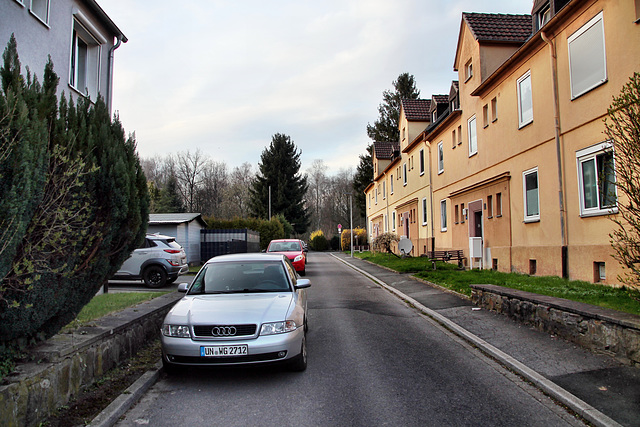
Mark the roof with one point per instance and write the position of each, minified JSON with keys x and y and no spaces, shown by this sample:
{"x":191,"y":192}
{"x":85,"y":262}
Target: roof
{"x":93,"y":4}
{"x":174,"y":218}
{"x":440,"y":99}
{"x":385,"y":150}
{"x":499,"y":27}
{"x":416,"y":109}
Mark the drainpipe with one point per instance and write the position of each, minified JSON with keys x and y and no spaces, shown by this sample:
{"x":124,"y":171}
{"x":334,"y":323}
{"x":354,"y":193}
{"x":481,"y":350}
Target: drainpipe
{"x":556,"y":113}
{"x":110,"y":70}
{"x":433,"y":231}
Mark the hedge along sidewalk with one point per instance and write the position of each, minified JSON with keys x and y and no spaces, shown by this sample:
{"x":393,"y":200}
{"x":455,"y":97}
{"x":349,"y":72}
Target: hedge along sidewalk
{"x":67,"y":363}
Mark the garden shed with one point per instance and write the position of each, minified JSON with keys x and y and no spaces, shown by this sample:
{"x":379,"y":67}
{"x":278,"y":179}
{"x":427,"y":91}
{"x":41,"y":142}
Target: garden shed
{"x":185,"y":227}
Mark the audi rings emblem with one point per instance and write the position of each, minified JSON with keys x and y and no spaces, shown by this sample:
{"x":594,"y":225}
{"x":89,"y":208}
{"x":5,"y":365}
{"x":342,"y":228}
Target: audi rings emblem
{"x":223,"y":331}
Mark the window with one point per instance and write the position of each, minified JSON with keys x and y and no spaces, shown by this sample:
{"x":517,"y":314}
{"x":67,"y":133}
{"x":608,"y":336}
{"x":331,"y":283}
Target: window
{"x":456,"y":216}
{"x":453,"y":139}
{"x":391,"y":185}
{"x":531,"y":195}
{"x":377,"y":190}
{"x":404,"y":174}
{"x":489,"y":206}
{"x":85,"y":61}
{"x":424,"y":211}
{"x":498,"y":204}
{"x":485,"y":115}
{"x":386,"y":226}
{"x":544,"y":16}
{"x":463,"y":213}
{"x":494,"y":109}
{"x":40,"y":8}
{"x":596,"y":180}
{"x":421,"y":156}
{"x":443,"y":215}
{"x":468,"y":70}
{"x":393,"y":221}
{"x":460,"y":134}
{"x":525,"y":100}
{"x":384,"y":190}
{"x":434,"y":115}
{"x":587,"y":59}
{"x":473,"y":137}
{"x":440,"y":158}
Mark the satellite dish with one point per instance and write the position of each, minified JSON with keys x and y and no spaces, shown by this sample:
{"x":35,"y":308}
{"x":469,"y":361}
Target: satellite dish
{"x":405,"y":245}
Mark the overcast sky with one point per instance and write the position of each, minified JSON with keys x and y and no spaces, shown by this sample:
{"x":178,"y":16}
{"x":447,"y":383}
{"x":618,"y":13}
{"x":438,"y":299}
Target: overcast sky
{"x":223,"y":76}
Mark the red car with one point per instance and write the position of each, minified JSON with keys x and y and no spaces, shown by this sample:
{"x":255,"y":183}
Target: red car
{"x":293,"y":249}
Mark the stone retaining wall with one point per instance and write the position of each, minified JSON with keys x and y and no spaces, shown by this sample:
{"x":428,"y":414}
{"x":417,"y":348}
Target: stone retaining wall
{"x":67,"y":363}
{"x":590,"y":326}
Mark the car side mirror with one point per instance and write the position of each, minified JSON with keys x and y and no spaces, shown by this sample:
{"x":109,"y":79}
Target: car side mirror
{"x":182,"y":287}
{"x":303,"y":284}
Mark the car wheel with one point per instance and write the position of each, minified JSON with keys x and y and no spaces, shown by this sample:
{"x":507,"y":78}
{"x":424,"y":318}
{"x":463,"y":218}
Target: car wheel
{"x":299,"y":363}
{"x":155,"y":276}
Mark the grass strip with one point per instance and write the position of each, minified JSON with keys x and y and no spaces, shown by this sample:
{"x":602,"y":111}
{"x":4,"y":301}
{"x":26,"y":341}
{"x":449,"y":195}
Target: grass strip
{"x":449,"y":276}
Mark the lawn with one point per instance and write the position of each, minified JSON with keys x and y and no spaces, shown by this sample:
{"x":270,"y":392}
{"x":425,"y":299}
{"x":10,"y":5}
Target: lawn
{"x":104,"y":304}
{"x":449,"y":276}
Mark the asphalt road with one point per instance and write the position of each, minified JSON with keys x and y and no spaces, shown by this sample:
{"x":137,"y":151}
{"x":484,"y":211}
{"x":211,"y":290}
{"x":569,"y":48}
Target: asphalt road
{"x":373,"y":361}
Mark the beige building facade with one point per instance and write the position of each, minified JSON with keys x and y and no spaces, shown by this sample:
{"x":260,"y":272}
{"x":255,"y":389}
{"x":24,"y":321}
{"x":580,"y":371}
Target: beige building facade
{"x":520,"y":174}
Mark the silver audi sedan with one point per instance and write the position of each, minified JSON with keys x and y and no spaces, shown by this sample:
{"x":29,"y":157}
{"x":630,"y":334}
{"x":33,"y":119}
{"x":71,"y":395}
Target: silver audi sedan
{"x":239,"y":309}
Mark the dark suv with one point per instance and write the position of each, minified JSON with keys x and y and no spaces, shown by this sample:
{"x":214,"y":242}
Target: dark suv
{"x":159,"y":261}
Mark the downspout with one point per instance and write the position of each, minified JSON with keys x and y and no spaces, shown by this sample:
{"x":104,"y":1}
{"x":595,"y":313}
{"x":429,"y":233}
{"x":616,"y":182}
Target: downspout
{"x":556,"y":112}
{"x":433,"y":231}
{"x":110,"y":71}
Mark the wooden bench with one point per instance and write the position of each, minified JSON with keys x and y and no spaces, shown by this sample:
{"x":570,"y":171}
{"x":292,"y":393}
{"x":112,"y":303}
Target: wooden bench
{"x":456,"y":254}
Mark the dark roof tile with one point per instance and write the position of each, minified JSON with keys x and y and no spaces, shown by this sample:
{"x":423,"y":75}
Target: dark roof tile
{"x":385,"y":150}
{"x":416,"y":109}
{"x":499,"y":27}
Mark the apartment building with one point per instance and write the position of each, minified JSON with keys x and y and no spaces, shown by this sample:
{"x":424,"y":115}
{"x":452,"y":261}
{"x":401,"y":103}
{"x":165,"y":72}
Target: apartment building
{"x":522,"y":177}
{"x":77,"y":34}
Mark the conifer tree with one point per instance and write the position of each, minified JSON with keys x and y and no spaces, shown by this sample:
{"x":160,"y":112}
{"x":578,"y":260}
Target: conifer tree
{"x":279,"y":168}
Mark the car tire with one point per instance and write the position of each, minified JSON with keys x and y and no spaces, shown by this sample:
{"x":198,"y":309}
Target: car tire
{"x":299,"y":363}
{"x":155,"y":276}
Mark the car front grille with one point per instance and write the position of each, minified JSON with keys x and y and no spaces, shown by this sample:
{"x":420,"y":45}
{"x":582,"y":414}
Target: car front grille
{"x":224,"y":331}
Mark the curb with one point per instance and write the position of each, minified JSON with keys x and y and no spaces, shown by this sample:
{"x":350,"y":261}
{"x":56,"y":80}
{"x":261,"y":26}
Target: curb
{"x":112,"y":413}
{"x":577,"y":405}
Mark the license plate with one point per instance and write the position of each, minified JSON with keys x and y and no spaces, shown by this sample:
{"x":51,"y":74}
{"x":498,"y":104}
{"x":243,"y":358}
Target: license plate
{"x":224,"y":350}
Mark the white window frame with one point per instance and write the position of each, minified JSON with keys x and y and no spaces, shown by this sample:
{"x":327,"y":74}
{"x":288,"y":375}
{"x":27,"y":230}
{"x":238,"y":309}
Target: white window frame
{"x":596,"y":57}
{"x":525,"y":197}
{"x":377,"y":190}
{"x":384,"y":190}
{"x":424,"y":211}
{"x":391,"y":185}
{"x":421,"y":161}
{"x":83,"y":29}
{"x":40,"y":3}
{"x":523,"y":119}
{"x":472,"y":132}
{"x":440,"y":157}
{"x":443,"y":215}
{"x":393,"y":221}
{"x":468,"y":70}
{"x":404,"y":174}
{"x":386,"y":224}
{"x":587,"y":155}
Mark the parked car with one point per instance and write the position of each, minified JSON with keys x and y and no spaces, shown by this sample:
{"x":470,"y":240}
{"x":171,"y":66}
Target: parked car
{"x":239,"y":309}
{"x":159,"y":261}
{"x":293,"y":249}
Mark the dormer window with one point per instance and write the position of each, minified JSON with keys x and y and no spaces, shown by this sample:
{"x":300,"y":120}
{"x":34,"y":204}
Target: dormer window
{"x":544,"y":16}
{"x":434,"y":115}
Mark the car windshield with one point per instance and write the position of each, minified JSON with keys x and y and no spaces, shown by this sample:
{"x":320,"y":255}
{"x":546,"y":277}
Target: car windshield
{"x":284,"y":247}
{"x":240,"y":277}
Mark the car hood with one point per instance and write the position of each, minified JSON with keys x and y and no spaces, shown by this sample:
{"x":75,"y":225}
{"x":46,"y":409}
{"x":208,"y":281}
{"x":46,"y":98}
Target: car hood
{"x":231,"y":309}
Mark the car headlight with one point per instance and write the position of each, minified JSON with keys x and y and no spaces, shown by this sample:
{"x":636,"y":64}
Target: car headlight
{"x":278,"y":327}
{"x":176,"y":331}
{"x":298,"y":258}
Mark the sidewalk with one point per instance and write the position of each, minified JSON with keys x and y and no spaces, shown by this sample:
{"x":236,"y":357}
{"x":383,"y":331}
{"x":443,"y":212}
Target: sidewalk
{"x":598,"y":387}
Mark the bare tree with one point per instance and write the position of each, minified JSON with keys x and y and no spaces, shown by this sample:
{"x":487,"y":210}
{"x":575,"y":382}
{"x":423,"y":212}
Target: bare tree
{"x":189,"y":170}
{"x":236,"y":197}
{"x":210,"y":191}
{"x":317,"y":191}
